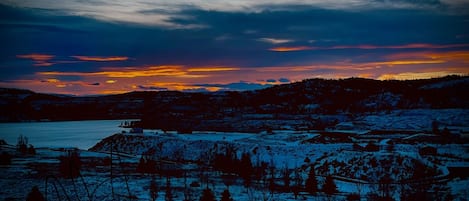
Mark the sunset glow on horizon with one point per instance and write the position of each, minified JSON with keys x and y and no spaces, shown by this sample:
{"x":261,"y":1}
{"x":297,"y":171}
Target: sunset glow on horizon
{"x":85,"y":48}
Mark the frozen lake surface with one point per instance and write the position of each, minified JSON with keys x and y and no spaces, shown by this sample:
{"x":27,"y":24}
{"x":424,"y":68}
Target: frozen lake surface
{"x":80,"y":134}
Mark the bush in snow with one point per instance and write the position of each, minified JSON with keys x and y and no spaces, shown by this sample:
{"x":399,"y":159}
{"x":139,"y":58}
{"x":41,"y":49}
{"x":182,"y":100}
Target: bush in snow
{"x":226,"y":196}
{"x":353,"y":197}
{"x":169,"y":194}
{"x":427,"y":151}
{"x":371,"y":147}
{"x":435,"y":127}
{"x":146,"y":165}
{"x":31,"y":150}
{"x":22,"y":144}
{"x":35,"y":195}
{"x":207,"y":195}
{"x":70,"y":164}
{"x":311,"y":183}
{"x":246,"y":169}
{"x":5,"y":158}
{"x":153,"y":189}
{"x":329,"y":186}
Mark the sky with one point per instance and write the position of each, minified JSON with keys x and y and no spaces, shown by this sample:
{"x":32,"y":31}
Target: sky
{"x":87,"y":47}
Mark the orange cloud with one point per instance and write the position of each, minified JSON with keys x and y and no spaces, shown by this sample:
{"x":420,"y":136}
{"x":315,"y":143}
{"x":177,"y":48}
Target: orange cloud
{"x":370,"y":47}
{"x":406,"y":46}
{"x":108,"y":92}
{"x":52,"y":80}
{"x":407,"y":62}
{"x":132,"y":72}
{"x":38,"y":59}
{"x":95,"y":58}
{"x":416,"y":75}
{"x":290,"y":49}
{"x":461,"y":56}
{"x":211,"y":69}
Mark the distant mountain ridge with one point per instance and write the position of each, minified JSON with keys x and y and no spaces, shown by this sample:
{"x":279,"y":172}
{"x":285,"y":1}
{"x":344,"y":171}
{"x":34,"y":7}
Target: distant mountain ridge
{"x":295,"y":102}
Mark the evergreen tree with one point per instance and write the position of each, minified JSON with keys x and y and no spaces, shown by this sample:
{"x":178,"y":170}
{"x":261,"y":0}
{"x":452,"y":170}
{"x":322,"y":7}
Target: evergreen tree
{"x":286,"y":178}
{"x":329,"y":186}
{"x":246,"y":169}
{"x":311,"y":183}
{"x":141,"y":165}
{"x":207,"y":195}
{"x":153,"y":189}
{"x":226,"y":196}
{"x":169,"y":194}
{"x":35,"y":195}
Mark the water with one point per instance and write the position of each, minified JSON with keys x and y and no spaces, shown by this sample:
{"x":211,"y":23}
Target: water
{"x":80,"y":134}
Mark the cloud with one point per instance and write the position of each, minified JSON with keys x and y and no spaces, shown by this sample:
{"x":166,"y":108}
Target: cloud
{"x":290,"y":49}
{"x":371,"y":47}
{"x":95,"y":58}
{"x":38,"y":59}
{"x":462,"y":56}
{"x":211,"y":69}
{"x":167,"y":14}
{"x":275,"y":40}
{"x":131,"y":72}
{"x":417,"y":75}
{"x":406,"y":46}
{"x":95,"y":84}
{"x":236,"y":86}
{"x":271,"y":80}
{"x":163,"y":44}
{"x":284,"y":80}
{"x":50,"y":80}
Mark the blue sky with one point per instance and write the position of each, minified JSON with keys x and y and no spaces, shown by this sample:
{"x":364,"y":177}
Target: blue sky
{"x":99,"y":47}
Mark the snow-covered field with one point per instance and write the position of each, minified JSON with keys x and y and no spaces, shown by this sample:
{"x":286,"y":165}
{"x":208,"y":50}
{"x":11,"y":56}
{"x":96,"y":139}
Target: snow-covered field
{"x":187,"y":159}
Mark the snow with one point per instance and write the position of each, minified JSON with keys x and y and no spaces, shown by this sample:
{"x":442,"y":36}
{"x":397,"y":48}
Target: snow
{"x":280,"y":149}
{"x":417,"y":119}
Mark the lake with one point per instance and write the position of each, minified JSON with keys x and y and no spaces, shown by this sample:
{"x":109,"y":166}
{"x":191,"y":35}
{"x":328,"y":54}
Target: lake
{"x":80,"y":134}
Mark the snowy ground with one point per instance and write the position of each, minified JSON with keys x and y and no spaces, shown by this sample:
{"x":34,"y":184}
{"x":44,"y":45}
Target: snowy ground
{"x":354,"y":170}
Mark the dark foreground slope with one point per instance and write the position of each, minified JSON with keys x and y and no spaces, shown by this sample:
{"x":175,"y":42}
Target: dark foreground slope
{"x":294,"y":104}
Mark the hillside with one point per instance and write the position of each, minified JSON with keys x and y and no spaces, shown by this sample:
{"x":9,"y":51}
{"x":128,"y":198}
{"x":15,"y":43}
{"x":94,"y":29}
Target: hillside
{"x":296,"y":105}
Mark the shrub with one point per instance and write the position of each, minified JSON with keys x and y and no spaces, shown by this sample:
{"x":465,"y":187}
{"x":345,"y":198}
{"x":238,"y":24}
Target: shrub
{"x":353,"y":197}
{"x":311,"y":183}
{"x":70,"y":164}
{"x":31,"y":150}
{"x":207,"y":195}
{"x":5,"y":158}
{"x":427,"y":151}
{"x":329,"y":186}
{"x":35,"y":195}
{"x":371,"y":147}
{"x":153,"y":189}
{"x":21,"y":145}
{"x":226,"y":196}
